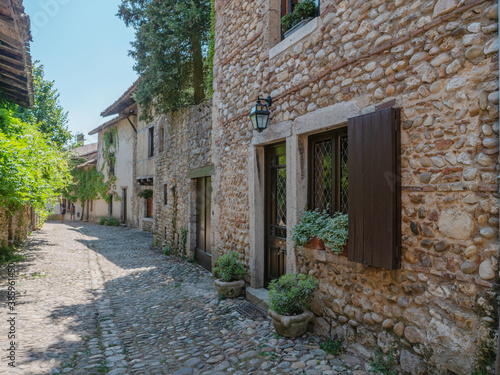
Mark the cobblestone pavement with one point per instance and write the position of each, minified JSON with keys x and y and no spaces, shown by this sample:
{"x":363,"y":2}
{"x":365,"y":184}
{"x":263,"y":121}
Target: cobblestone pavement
{"x":100,"y":300}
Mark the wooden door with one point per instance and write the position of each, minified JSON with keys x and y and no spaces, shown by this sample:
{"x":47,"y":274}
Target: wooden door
{"x":203,"y":222}
{"x":276,"y":233}
{"x":124,"y":205}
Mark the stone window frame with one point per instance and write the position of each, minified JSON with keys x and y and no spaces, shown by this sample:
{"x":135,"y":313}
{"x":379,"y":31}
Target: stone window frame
{"x":275,"y":38}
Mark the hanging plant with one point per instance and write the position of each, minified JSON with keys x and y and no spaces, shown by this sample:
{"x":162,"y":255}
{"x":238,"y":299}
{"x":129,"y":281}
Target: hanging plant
{"x":146,"y":194}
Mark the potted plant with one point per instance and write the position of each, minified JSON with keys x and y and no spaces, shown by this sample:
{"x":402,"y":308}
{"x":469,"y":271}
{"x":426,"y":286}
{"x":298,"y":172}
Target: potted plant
{"x":289,"y":299}
{"x":306,"y":232}
{"x":334,"y":234}
{"x":302,"y":14}
{"x":229,"y":270}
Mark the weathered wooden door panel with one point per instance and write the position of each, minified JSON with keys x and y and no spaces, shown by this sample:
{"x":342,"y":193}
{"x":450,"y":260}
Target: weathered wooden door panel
{"x":203,"y":222}
{"x":275,"y":203}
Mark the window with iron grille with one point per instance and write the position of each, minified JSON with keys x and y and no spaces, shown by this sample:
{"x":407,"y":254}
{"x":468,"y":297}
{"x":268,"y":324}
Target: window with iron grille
{"x":149,"y":207}
{"x":328,"y":171}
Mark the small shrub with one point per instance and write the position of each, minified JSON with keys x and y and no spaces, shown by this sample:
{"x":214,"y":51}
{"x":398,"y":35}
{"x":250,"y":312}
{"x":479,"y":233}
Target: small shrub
{"x":383,"y":364}
{"x":335,"y":233}
{"x":229,"y":267}
{"x":332,"y":347}
{"x":310,"y":225}
{"x":291,"y":293}
{"x":113,"y":222}
{"x":8,"y":254}
{"x":103,"y":220}
{"x":167,"y":250}
{"x":146,"y":194}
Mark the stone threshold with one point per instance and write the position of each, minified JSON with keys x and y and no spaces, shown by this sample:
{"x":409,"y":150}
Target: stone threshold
{"x":259,"y":297}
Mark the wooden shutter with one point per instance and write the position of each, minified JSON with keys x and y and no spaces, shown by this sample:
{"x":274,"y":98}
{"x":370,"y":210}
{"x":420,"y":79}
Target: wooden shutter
{"x":375,"y":189}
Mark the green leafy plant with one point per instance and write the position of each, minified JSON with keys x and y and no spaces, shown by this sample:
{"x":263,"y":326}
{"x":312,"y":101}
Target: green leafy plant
{"x":303,"y":11}
{"x":168,"y":250}
{"x":109,"y":221}
{"x":229,"y":267}
{"x":8,"y":254}
{"x":334,"y":234}
{"x":383,"y":364}
{"x":310,"y":225}
{"x":184,"y":235}
{"x":333,"y":231}
{"x":146,"y":194}
{"x":291,"y":293}
{"x":332,"y":347}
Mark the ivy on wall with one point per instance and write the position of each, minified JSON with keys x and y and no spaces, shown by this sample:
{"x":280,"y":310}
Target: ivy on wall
{"x":110,"y":138}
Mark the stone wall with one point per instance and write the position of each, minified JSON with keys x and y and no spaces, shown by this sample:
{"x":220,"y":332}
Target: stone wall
{"x":186,"y":148}
{"x":438,"y":62}
{"x":16,"y":228}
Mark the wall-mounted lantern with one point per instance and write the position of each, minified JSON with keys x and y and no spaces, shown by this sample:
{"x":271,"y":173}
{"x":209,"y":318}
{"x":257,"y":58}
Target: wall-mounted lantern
{"x":260,"y":114}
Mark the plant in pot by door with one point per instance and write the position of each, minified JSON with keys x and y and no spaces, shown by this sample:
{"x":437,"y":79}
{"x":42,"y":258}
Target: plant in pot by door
{"x":289,"y":299}
{"x":306,"y":232}
{"x":229,"y":270}
{"x":334,"y":234}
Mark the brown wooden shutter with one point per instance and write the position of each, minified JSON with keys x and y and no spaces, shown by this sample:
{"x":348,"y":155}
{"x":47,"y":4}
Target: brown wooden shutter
{"x":375,"y":189}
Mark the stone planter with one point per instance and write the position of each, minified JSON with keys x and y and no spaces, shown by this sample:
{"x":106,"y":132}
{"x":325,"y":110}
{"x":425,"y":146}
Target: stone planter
{"x":297,"y":27}
{"x":315,"y":244}
{"x":231,"y":289}
{"x":291,"y":326}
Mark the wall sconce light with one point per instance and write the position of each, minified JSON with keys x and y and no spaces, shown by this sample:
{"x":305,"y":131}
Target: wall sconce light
{"x":259,"y":115}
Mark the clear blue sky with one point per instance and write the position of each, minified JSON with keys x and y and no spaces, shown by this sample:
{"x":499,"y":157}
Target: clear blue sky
{"x":84,"y":48}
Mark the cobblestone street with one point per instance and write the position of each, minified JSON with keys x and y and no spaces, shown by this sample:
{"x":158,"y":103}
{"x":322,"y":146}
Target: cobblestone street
{"x":97,"y":300}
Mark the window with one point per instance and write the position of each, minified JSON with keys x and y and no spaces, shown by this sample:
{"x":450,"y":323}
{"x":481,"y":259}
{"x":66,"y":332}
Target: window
{"x":165,"y":194}
{"x":111,"y":140}
{"x":112,"y":165}
{"x":328,"y":179}
{"x":288,"y":6}
{"x":91,"y":205}
{"x":149,"y":207}
{"x":151,"y":142}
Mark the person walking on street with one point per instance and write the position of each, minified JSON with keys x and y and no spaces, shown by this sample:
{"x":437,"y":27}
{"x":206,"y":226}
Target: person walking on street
{"x":63,"y":212}
{"x":72,"y":211}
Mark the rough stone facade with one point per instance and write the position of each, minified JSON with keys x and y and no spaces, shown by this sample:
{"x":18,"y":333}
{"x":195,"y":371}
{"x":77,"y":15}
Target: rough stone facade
{"x":183,"y":143}
{"x":436,"y":60}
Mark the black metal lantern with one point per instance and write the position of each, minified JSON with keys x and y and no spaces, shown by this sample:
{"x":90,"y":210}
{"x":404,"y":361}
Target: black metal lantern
{"x":260,"y":114}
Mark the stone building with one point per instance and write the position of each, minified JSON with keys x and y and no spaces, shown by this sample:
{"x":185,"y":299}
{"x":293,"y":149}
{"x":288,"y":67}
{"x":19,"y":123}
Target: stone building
{"x":182,"y":181}
{"x":403,"y":95}
{"x":116,"y":152}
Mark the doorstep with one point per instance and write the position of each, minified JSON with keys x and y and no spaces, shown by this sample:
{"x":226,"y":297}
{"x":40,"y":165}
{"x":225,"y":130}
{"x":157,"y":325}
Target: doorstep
{"x":259,"y":297}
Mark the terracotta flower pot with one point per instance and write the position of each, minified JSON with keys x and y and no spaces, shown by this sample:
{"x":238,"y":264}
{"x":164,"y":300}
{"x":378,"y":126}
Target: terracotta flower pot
{"x":229,"y":289}
{"x":315,"y":244}
{"x":291,"y":326}
{"x":344,"y":251}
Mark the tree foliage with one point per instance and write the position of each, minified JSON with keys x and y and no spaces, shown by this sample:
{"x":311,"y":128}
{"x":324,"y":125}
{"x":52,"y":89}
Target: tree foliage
{"x":170,"y":50}
{"x":32,"y":170}
{"x":46,"y":114}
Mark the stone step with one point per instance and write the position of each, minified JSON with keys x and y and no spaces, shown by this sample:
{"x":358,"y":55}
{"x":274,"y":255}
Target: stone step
{"x":259,"y":297}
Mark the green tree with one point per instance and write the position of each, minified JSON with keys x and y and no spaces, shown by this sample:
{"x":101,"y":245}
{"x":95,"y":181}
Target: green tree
{"x":171,"y":46}
{"x":32,"y":170}
{"x":46,"y":114}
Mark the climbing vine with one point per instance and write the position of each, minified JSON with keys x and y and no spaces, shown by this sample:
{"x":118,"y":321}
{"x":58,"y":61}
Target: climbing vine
{"x":146,"y":194}
{"x":110,"y":138}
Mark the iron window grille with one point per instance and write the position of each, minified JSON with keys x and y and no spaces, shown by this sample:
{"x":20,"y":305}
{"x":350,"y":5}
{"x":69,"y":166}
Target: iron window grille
{"x":328,"y":171}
